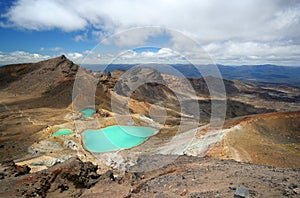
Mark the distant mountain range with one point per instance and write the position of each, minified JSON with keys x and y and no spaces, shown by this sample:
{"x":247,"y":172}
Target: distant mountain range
{"x":266,"y":74}
{"x":263,"y":74}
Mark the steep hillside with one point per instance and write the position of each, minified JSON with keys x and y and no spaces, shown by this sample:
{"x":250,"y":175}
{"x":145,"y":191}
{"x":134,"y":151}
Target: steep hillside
{"x":33,"y":97}
{"x":50,"y":81}
{"x":38,"y":77}
{"x":144,"y":84}
{"x":271,"y":139}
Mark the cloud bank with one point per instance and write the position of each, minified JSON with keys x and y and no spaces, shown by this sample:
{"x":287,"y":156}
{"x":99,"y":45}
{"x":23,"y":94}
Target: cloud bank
{"x":231,"y":31}
{"x":20,"y":57}
{"x":209,"y":20}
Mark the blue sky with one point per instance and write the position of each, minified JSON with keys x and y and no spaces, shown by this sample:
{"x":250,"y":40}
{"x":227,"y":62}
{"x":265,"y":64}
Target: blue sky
{"x":229,"y":32}
{"x":146,"y":49}
{"x":44,"y":42}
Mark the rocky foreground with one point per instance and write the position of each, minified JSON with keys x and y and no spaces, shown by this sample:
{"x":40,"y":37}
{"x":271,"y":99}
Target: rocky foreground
{"x":185,"y":177}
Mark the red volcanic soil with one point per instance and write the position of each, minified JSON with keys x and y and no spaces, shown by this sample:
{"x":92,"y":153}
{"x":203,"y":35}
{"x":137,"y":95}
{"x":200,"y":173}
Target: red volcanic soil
{"x":269,"y":139}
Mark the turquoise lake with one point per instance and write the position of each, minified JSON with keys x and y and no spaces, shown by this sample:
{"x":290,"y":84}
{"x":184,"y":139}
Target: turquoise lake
{"x":88,"y":112}
{"x":115,"y":137}
{"x":63,"y":132}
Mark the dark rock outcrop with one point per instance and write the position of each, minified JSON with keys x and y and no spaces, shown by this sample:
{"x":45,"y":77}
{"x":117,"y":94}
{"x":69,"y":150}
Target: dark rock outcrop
{"x":10,"y":169}
{"x":64,"y":179}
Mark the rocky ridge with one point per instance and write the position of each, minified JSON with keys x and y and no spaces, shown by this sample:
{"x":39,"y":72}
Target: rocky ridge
{"x":185,"y":177}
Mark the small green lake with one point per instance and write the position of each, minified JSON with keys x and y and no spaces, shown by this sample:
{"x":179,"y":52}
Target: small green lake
{"x":116,"y":137}
{"x":63,"y":132}
{"x":88,"y":112}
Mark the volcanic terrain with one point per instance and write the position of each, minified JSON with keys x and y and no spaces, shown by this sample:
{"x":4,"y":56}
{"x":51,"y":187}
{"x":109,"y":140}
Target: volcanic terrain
{"x":257,"y":147}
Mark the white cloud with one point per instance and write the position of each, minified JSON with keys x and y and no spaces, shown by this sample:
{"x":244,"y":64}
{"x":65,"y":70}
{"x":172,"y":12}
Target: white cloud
{"x":208,"y":20}
{"x":81,"y":37}
{"x":134,"y":38}
{"x":243,"y":29}
{"x":20,"y":57}
{"x":75,"y":56}
{"x":92,"y":57}
{"x":282,"y":53}
{"x":44,"y":15}
{"x":164,"y":55}
{"x":53,"y":49}
{"x":288,"y":18}
{"x":26,"y":57}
